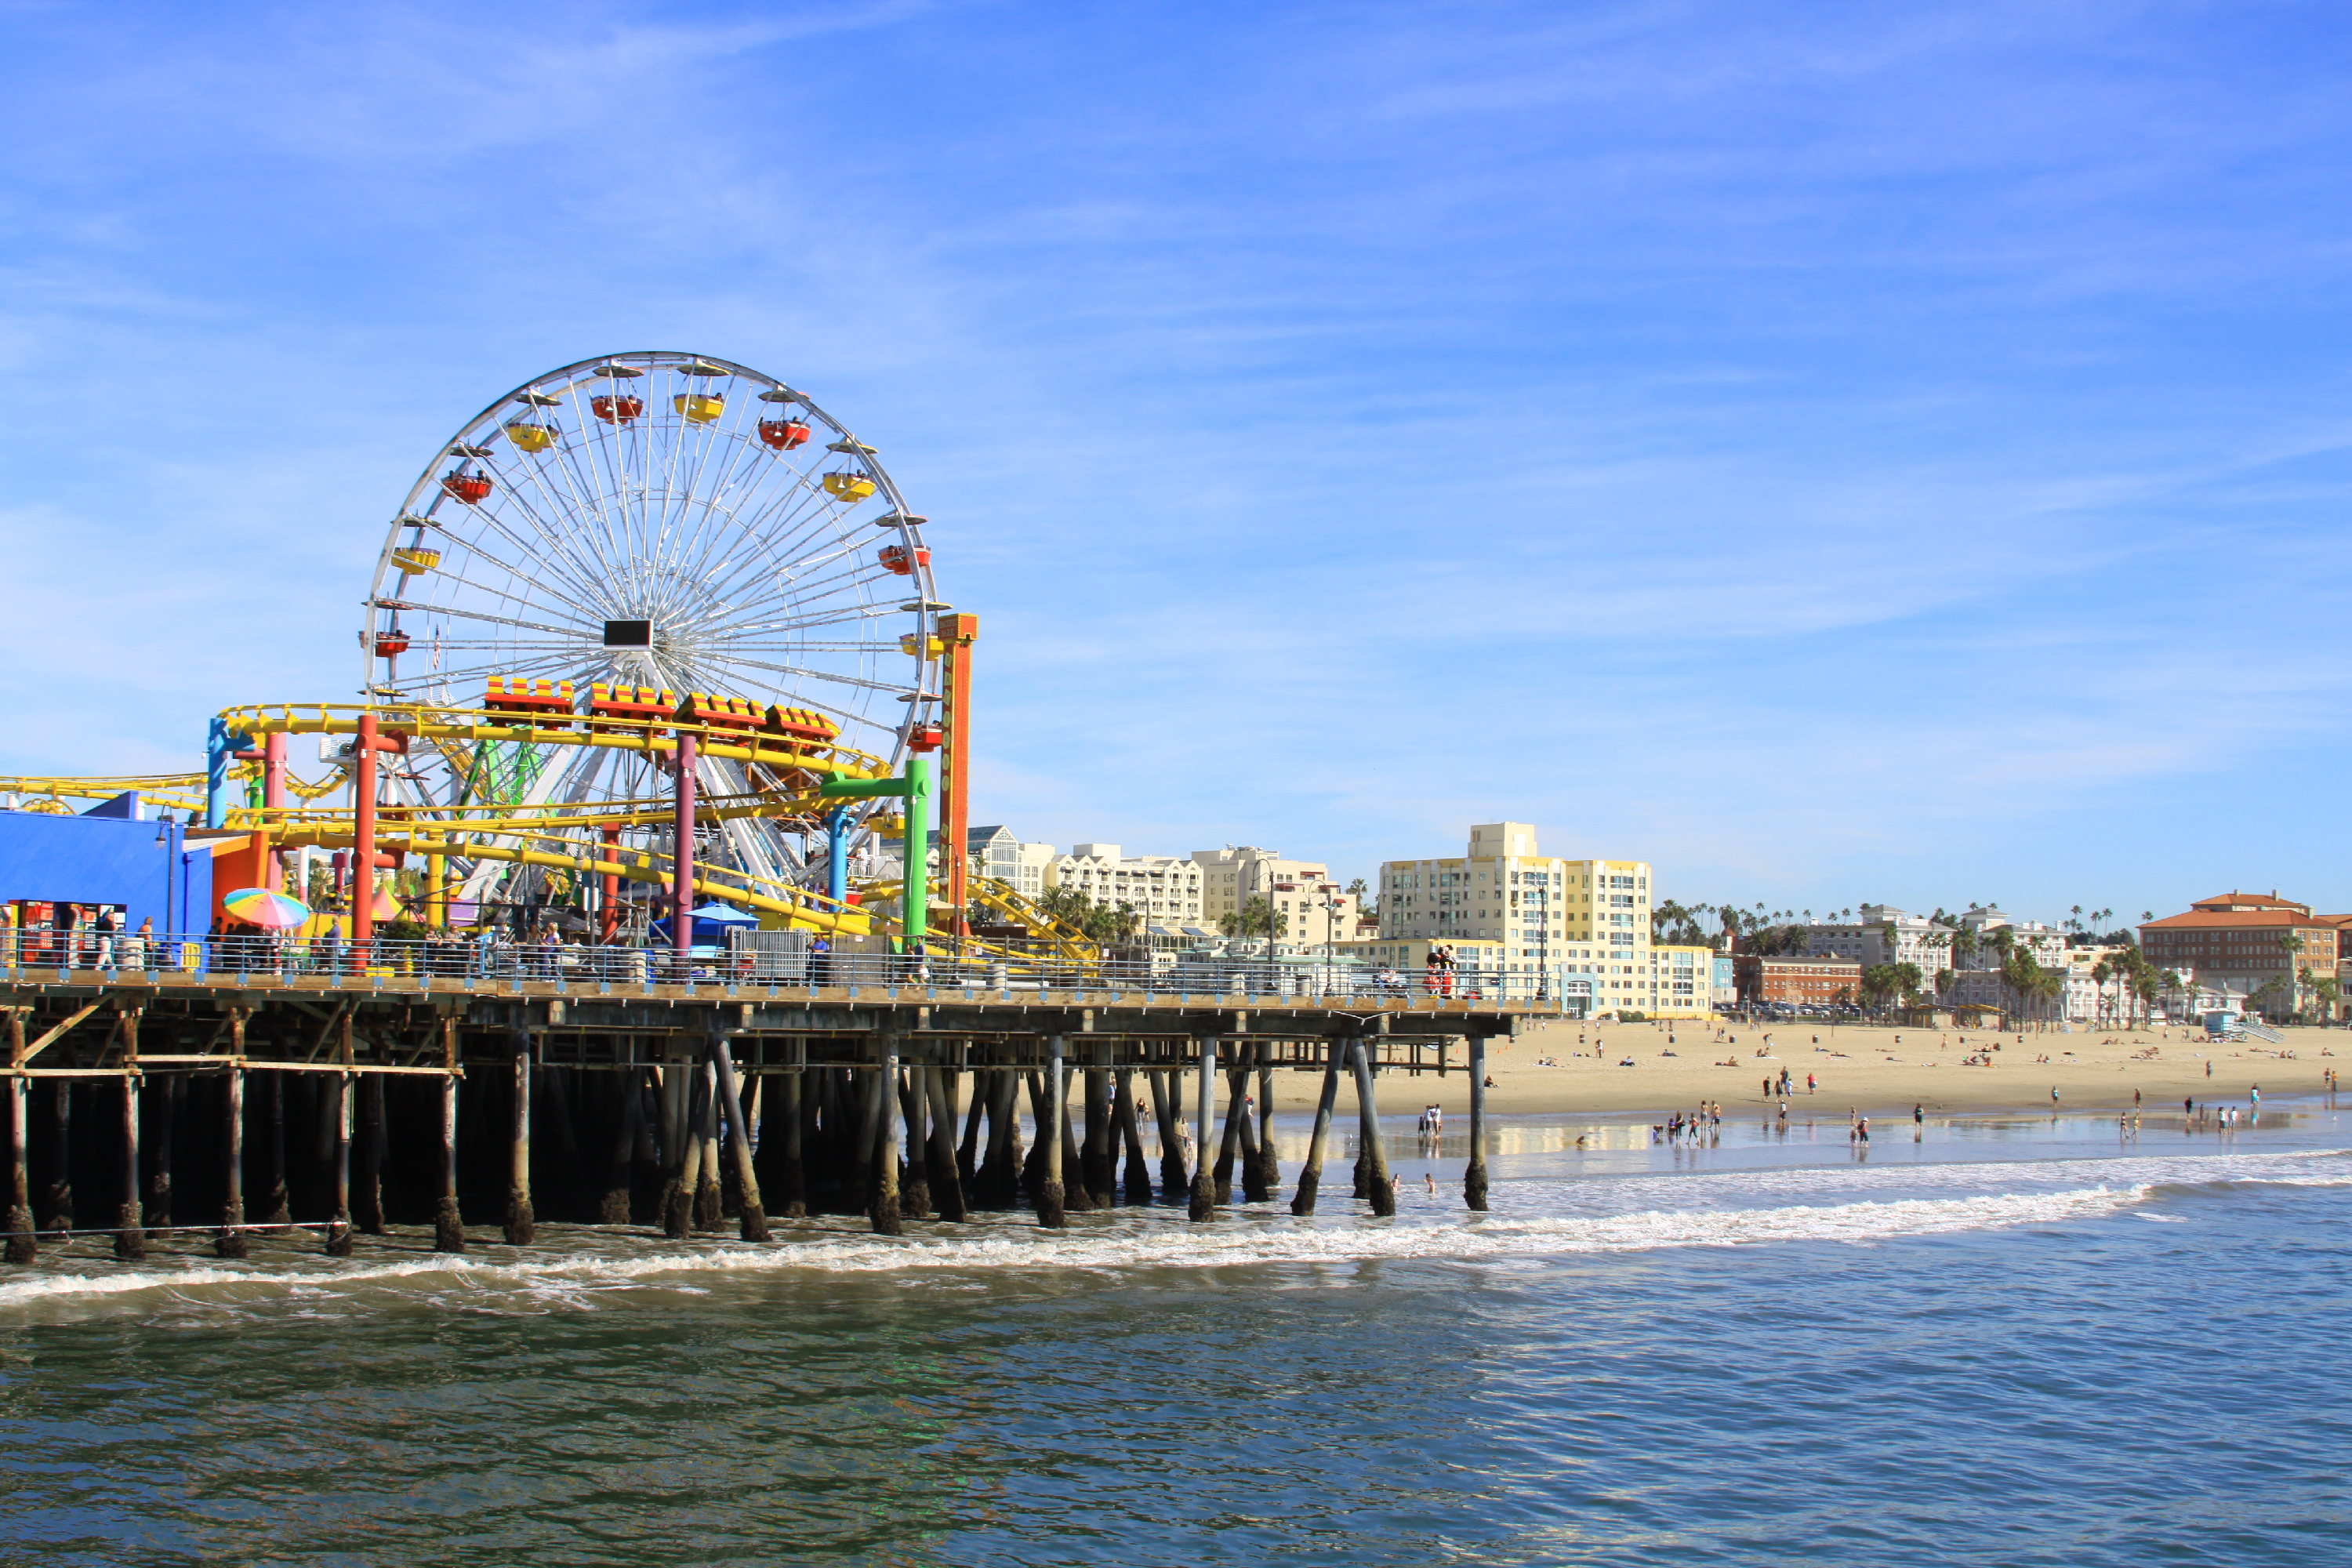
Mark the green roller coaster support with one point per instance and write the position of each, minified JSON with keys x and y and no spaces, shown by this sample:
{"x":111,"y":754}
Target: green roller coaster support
{"x":915,"y":788}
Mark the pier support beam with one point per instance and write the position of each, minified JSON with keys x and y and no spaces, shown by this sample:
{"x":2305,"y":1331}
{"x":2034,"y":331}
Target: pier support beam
{"x":1310,"y":1175}
{"x":130,"y":1234}
{"x":886,"y":1218}
{"x":339,"y":1227}
{"x":791,"y":1174}
{"x":56,"y":1193}
{"x":1269,"y":1170}
{"x":755,"y":1217}
{"x":21,"y":1246}
{"x":681,"y":1149}
{"x":1167,"y":1114}
{"x":1126,"y":1132}
{"x":709,"y":1191}
{"x":613,"y":1207}
{"x":1096,"y":1156}
{"x":1051,"y":1211}
{"x":163,"y":1112}
{"x":1203,"y":1205}
{"x":367,"y":1156}
{"x":1367,"y":1121}
{"x":448,"y":1225}
{"x":1229,"y":1144}
{"x":230,"y":1240}
{"x":947,"y":1183}
{"x":522,"y":1226}
{"x":276,"y":1209}
{"x":1473,"y":1179}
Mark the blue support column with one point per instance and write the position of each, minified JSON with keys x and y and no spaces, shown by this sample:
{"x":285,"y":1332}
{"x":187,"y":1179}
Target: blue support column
{"x":836,"y":855}
{"x":220,"y":749}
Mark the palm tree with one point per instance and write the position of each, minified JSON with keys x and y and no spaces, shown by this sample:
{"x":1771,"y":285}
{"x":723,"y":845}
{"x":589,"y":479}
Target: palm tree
{"x":2101,"y":973}
{"x":2290,"y":944}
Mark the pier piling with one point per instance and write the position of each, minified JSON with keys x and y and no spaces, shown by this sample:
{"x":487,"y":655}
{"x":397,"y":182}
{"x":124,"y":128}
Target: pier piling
{"x":886,"y":1220}
{"x":448,"y":1224}
{"x":339,"y":1226}
{"x":754,"y":1219}
{"x":1376,"y":1158}
{"x":1202,"y":1204}
{"x":130,"y":1236}
{"x":522,"y":1226}
{"x":1051,"y":1136}
{"x":1310,"y":1175}
{"x":946,"y":1187}
{"x":1473,"y":1177}
{"x":229,"y":1241}
{"x":21,"y":1246}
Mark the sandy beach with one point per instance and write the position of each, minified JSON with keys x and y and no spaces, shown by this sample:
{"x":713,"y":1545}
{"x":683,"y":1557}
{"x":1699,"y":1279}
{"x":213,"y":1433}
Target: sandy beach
{"x":1876,"y":1070}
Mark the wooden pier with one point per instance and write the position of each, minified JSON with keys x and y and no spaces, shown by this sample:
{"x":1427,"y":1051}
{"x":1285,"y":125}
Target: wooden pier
{"x":172,"y":1102}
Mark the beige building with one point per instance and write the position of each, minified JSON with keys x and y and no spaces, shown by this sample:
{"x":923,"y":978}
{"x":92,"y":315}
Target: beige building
{"x":1313,"y":909}
{"x":1163,"y":888}
{"x":1584,"y":921}
{"x":1685,"y":982}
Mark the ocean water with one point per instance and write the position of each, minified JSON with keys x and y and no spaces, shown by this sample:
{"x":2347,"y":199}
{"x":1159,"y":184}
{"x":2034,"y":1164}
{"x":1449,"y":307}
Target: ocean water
{"x":2024,"y":1339}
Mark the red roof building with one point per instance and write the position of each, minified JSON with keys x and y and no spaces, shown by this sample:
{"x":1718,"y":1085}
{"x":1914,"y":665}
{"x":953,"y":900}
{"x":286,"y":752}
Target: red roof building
{"x":2246,"y":942}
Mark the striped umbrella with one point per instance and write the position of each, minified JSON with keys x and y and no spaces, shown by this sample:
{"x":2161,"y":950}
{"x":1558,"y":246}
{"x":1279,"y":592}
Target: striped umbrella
{"x":261,"y":907}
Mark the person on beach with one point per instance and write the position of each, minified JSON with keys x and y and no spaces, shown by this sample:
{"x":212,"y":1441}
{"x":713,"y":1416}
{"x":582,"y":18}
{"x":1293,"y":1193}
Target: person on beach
{"x":1862,"y":1130}
{"x":1432,"y":1180}
{"x":1812,"y":1086}
{"x":1918,"y":1116}
{"x":2054,"y":1097}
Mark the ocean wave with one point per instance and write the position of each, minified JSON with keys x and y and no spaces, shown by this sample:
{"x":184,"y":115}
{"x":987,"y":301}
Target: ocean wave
{"x":1536,"y":1218}
{"x":1240,"y":1240}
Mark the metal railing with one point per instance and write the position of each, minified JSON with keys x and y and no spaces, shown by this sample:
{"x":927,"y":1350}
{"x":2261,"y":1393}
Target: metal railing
{"x":757,"y":958}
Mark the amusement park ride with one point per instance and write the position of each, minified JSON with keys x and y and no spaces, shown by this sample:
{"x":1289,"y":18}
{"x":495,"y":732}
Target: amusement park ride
{"x":651,"y":630}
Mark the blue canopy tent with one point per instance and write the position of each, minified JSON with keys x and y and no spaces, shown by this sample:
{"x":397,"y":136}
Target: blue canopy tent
{"x":712,"y":923}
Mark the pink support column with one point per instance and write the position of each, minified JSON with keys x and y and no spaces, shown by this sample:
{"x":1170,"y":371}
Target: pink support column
{"x":681,"y":916}
{"x":273,"y":799}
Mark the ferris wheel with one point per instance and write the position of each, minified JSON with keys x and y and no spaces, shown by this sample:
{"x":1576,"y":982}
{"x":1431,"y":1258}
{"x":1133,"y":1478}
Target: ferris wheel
{"x":646,"y":526}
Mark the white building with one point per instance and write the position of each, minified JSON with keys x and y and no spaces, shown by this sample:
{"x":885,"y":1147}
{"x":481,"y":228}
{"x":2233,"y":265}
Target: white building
{"x":1914,"y":940}
{"x":996,"y":852}
{"x":2047,"y":941}
{"x":1313,"y":909}
{"x":1163,"y":888}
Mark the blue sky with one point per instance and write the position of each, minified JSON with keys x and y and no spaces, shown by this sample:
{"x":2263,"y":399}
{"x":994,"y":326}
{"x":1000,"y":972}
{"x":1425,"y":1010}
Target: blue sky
{"x":1837,"y":453}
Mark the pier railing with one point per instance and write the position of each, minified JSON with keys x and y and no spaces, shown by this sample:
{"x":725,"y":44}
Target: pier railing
{"x":461,"y":961}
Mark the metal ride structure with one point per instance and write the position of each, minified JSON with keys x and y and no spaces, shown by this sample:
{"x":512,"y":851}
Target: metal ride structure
{"x":624,"y":537}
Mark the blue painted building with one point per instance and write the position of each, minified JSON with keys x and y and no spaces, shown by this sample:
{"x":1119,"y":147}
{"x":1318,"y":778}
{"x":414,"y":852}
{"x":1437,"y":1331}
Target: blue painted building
{"x":108,"y":855}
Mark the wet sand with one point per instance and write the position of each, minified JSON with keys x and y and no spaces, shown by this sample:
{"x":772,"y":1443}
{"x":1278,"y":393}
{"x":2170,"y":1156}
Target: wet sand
{"x":1877,"y":1071}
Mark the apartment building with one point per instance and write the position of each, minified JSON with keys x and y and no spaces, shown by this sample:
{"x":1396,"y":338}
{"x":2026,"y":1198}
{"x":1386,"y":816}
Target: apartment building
{"x":1163,"y":889}
{"x":1686,"y":981}
{"x":1582,"y":919}
{"x":1314,"y":910}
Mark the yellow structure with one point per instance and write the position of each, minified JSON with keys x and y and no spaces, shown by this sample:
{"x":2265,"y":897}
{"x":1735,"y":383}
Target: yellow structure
{"x":1586,"y":921}
{"x":1686,"y":981}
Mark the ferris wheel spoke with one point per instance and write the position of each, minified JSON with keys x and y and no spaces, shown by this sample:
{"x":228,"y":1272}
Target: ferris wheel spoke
{"x":549,"y":546}
{"x":584,"y":573}
{"x":459,"y":613}
{"x":523,"y":547}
